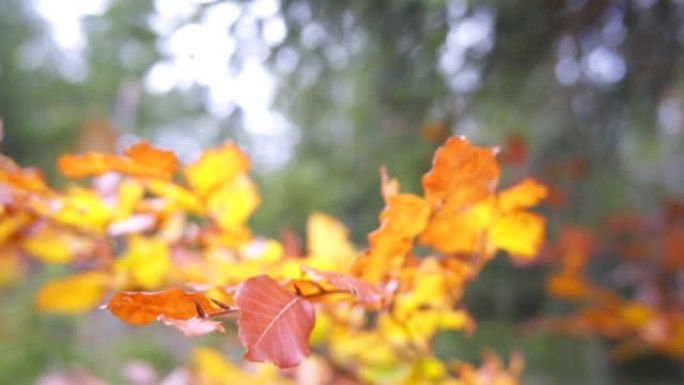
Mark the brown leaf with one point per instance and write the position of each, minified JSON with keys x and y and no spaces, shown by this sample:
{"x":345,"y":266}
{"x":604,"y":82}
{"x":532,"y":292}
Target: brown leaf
{"x":141,"y":308}
{"x":365,"y":292}
{"x":274,"y":324}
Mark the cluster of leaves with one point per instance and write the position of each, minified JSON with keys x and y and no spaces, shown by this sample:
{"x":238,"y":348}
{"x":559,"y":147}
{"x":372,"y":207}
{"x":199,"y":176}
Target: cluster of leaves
{"x":625,"y":284}
{"x":170,"y":243}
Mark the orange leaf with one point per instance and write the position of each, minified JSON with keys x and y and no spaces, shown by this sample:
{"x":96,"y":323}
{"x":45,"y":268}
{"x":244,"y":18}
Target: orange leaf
{"x":461,"y":175}
{"x":144,"y":154}
{"x":141,"y":308}
{"x":274,"y":324}
{"x":403,"y":218}
{"x":141,"y":159}
{"x":567,"y":286}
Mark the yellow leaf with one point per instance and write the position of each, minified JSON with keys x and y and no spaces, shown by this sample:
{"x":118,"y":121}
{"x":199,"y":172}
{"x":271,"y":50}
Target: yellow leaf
{"x":53,"y":246}
{"x":233,"y":203}
{"x":77,"y":293}
{"x":10,"y":224}
{"x":175,"y":197}
{"x":146,"y":263}
{"x":210,"y":367}
{"x":523,"y":195}
{"x":130,"y":193}
{"x":402,"y":219}
{"x":328,"y":244}
{"x":520,"y":233}
{"x":215,"y":168}
{"x":81,"y":208}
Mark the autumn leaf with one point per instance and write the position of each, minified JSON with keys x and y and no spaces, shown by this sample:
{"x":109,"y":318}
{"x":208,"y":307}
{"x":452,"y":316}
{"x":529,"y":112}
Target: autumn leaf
{"x":216,"y":167}
{"x":144,"y":154}
{"x":327,"y":243}
{"x":53,"y":245}
{"x":365,"y":292}
{"x":77,"y":293}
{"x":403,"y":218}
{"x":274,"y":324}
{"x":461,"y":175}
{"x":520,"y":233}
{"x":212,"y":367}
{"x":142,"y":308}
{"x":231,"y":204}
{"x":522,"y":195}
{"x":146,"y":263}
{"x":141,"y":159}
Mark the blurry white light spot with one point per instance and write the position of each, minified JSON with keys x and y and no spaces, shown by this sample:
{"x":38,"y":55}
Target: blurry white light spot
{"x":264,"y":8}
{"x":174,"y":9}
{"x":313,"y":35}
{"x":274,"y":31}
{"x":614,"y":31}
{"x":604,"y":66}
{"x":471,"y":31}
{"x":567,"y":71}
{"x":286,"y":60}
{"x":466,"y":80}
{"x":221,"y":15}
{"x":161,"y":78}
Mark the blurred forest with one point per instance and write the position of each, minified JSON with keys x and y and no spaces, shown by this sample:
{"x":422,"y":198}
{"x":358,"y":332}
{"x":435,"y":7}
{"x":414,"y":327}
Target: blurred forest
{"x":321,"y":94}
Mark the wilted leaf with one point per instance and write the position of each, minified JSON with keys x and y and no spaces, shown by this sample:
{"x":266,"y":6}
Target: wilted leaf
{"x":141,"y":308}
{"x":193,"y":327}
{"x":274,"y":324}
{"x":77,"y":293}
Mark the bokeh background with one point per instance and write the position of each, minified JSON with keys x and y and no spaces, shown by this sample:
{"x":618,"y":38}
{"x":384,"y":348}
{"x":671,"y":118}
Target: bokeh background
{"x":320,"y":94}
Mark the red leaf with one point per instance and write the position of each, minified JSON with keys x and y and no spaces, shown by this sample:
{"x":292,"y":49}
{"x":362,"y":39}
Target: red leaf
{"x":365,"y":292}
{"x":274,"y":324}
